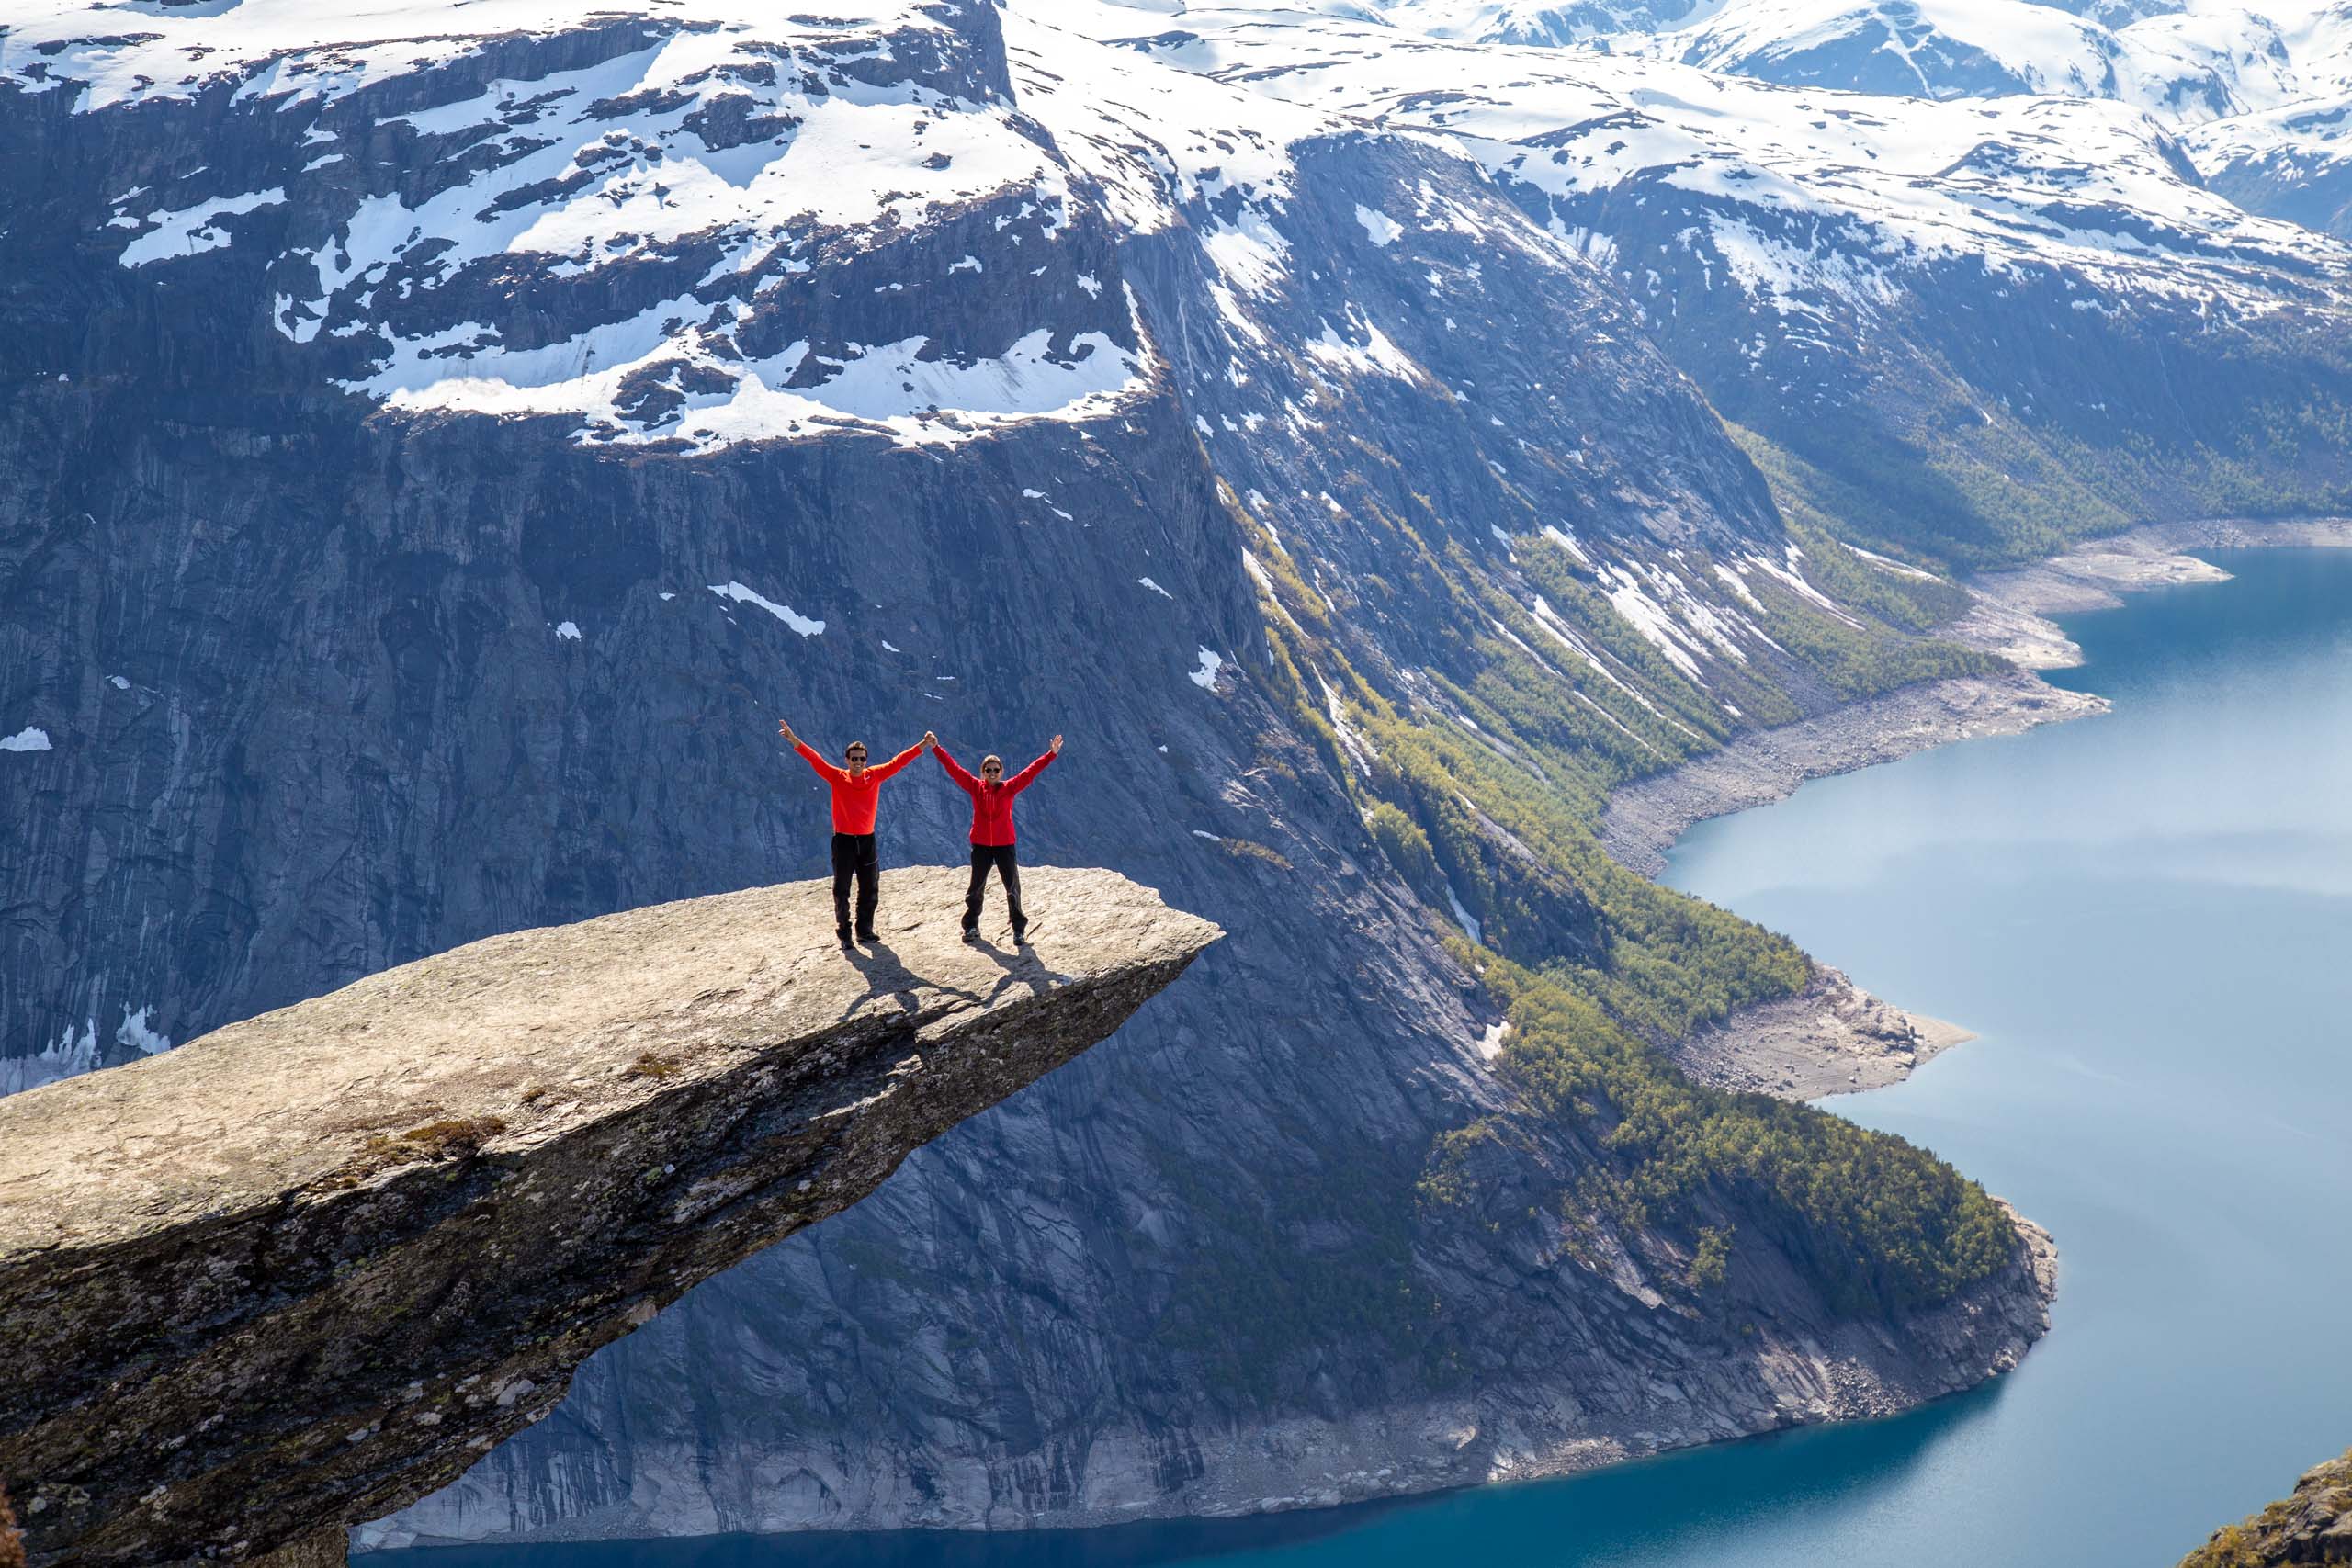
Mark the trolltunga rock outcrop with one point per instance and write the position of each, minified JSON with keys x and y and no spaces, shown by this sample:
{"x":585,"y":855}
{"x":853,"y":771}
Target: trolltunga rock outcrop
{"x":304,"y":1270}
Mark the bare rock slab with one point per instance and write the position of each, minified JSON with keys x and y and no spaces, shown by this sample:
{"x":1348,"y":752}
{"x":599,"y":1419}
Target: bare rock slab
{"x":307,"y":1268}
{"x":1833,"y":1037}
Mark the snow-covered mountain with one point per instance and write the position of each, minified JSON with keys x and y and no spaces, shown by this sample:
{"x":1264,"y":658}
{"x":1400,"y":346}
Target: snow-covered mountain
{"x":449,"y":434}
{"x":2258,"y":88}
{"x":1988,"y":289}
{"x":2293,"y":162}
{"x":2178,"y":63}
{"x":2181,"y":60}
{"x":659,"y":201}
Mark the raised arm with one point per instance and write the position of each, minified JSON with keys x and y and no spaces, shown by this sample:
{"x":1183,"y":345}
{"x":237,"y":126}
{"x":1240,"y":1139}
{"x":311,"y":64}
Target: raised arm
{"x":1027,"y":775}
{"x":824,"y":770}
{"x":895,"y":764}
{"x":955,"y":770}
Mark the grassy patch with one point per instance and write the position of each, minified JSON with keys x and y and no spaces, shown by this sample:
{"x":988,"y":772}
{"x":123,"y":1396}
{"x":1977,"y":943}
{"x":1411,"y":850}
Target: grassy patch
{"x":450,"y":1140}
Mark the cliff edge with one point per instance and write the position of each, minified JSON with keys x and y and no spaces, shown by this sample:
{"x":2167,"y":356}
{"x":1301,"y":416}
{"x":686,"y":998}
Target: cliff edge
{"x":309,"y":1268}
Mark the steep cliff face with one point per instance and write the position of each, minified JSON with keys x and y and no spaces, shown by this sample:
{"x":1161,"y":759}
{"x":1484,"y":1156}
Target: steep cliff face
{"x":311,"y":1266}
{"x":446,"y":456}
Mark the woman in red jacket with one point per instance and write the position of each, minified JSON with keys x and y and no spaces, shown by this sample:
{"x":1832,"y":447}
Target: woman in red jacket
{"x":992,"y":795}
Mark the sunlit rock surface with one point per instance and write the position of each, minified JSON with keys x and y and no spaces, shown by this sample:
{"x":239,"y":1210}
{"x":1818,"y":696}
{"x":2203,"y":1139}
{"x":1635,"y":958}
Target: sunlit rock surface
{"x":305,"y":1269}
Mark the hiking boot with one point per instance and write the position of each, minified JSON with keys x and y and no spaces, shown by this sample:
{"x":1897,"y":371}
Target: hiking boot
{"x":869,"y":938}
{"x":971,"y":934}
{"x":841,"y":934}
{"x":1020,"y":935}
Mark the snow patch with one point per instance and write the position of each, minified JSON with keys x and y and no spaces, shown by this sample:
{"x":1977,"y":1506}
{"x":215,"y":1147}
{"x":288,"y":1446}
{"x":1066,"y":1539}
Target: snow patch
{"x":1375,"y":356}
{"x":136,"y":1033}
{"x":743,"y":595}
{"x":1462,"y":917}
{"x":1383,"y":229}
{"x":195,"y":230}
{"x":68,"y":1056}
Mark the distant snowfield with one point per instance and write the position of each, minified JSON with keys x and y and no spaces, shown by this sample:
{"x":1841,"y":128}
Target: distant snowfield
{"x":2090,"y":183}
{"x":2187,"y":61}
{"x":728,"y":148}
{"x":299,"y":51}
{"x":72,"y":1054}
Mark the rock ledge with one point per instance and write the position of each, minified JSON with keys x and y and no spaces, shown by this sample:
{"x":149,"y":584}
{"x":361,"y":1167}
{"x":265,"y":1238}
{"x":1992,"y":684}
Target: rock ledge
{"x":306,"y":1269}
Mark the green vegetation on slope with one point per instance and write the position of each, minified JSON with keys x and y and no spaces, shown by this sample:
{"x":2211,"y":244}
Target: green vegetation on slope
{"x":1939,"y":474}
{"x":1484,"y":792}
{"x":1955,"y":500}
{"x":1880,"y":1224}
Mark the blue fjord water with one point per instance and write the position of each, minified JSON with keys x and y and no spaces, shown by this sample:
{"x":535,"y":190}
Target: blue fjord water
{"x":2147,"y":917}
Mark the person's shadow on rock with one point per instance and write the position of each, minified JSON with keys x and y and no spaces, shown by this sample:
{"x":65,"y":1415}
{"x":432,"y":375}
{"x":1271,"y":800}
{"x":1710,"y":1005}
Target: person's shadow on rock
{"x":1021,"y":967}
{"x":887,"y":974}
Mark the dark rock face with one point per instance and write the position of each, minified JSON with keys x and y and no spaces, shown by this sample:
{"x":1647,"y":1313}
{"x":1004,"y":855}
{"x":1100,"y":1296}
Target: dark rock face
{"x":334,"y":680}
{"x":311,"y":1266}
{"x":2307,"y":180}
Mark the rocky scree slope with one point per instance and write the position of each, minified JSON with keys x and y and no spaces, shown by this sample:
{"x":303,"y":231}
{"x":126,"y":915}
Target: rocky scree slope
{"x":309,"y":1267}
{"x":436,"y":456}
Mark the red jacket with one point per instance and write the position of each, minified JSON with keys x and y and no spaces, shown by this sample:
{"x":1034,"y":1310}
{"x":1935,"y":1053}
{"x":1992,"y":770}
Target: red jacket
{"x":991,"y":802}
{"x":853,"y":802}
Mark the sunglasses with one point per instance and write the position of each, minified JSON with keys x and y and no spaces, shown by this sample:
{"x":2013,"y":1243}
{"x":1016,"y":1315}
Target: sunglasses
{"x":857,"y":756}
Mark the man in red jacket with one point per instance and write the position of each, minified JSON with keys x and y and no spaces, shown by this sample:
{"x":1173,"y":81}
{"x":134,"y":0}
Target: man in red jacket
{"x":992,"y":795}
{"x":857,"y":790}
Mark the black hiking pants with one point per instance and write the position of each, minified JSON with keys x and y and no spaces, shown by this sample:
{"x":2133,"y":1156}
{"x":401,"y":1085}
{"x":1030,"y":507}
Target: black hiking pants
{"x":853,"y":856}
{"x":1001,"y":857}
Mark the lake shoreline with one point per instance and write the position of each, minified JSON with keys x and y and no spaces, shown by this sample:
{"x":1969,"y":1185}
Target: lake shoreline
{"x":1834,"y":1038}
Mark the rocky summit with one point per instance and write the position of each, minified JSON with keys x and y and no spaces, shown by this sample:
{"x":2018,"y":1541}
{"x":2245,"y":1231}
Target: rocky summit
{"x":311,"y":1266}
